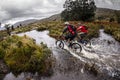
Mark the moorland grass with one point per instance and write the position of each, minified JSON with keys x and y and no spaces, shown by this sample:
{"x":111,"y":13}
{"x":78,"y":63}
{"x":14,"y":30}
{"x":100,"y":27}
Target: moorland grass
{"x":113,"y":29}
{"x":21,"y":54}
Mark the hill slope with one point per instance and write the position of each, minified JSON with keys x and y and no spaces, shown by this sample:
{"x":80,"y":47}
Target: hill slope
{"x":55,"y":17}
{"x":106,"y":13}
{"x":100,"y":12}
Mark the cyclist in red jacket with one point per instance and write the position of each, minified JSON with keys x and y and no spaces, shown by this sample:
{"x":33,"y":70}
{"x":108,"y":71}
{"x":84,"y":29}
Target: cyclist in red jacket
{"x":82,"y":31}
{"x":71,"y":31}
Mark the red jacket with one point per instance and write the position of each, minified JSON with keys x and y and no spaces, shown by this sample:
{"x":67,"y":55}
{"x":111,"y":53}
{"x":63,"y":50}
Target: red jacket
{"x":82,"y":29}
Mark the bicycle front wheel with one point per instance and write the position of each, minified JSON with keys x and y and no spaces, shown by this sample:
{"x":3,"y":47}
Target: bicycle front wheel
{"x":76,"y":47}
{"x":60,"y":44}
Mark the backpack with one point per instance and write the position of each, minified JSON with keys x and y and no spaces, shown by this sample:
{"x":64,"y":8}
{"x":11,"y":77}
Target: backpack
{"x":71,"y":29}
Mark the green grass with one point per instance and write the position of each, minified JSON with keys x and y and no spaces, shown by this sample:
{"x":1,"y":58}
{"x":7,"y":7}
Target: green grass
{"x":21,"y":54}
{"x":3,"y":34}
{"x":114,"y":30}
{"x":56,"y":28}
{"x":23,"y":29}
{"x":93,"y":30}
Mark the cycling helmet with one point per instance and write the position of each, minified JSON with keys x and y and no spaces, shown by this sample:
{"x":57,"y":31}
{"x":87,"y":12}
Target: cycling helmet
{"x":66,"y":23}
{"x":79,"y":23}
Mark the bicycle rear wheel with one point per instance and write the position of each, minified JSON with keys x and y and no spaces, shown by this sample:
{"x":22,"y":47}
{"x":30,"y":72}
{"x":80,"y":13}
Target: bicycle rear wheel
{"x":76,"y":47}
{"x":60,"y":44}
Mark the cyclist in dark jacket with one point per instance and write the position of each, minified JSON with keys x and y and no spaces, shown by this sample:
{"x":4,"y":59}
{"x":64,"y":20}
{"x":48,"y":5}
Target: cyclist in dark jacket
{"x":71,"y":32}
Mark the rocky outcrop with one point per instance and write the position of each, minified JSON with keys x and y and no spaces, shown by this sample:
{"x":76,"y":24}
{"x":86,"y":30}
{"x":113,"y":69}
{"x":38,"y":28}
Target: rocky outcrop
{"x":3,"y":67}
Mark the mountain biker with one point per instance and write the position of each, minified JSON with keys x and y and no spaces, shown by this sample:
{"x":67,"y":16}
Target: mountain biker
{"x":82,"y":32}
{"x":71,"y":32}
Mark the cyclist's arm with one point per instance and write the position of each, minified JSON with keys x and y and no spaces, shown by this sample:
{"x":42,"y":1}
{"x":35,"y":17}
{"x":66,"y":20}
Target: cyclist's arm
{"x":65,"y":29}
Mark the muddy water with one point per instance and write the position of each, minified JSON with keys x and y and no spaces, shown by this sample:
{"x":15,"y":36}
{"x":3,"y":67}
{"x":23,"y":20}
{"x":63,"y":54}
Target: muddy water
{"x":71,"y":66}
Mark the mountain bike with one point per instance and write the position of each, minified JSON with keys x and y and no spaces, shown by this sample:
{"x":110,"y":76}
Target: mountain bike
{"x":85,"y":43}
{"x":75,"y":46}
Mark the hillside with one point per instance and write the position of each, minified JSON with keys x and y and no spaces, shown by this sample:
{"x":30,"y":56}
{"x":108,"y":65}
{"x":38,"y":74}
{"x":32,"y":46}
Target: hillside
{"x":55,"y":17}
{"x":25,"y":22}
{"x":106,"y":13}
{"x":100,"y":12}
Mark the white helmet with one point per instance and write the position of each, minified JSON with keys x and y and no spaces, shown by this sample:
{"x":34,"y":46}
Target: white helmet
{"x":79,"y":24}
{"x":66,"y":23}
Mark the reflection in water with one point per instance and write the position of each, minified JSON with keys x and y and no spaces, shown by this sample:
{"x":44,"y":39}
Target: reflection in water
{"x":106,"y":54}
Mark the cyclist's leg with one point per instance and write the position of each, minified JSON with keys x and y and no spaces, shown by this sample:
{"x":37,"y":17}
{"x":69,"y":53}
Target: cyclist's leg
{"x":83,"y":37}
{"x":71,"y":39}
{"x":86,"y":40}
{"x":80,"y":37}
{"x":66,"y":37}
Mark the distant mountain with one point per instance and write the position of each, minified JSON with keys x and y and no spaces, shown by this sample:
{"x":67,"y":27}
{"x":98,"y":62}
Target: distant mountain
{"x":22,"y":23}
{"x":25,"y":22}
{"x":55,"y":17}
{"x":106,"y":13}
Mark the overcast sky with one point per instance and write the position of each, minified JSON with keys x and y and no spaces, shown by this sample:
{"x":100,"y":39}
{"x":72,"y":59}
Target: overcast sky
{"x":12,"y":9}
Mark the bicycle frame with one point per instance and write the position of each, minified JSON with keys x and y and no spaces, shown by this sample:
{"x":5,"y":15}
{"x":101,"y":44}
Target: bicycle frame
{"x":62,"y":38}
